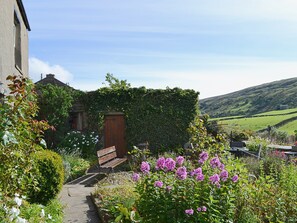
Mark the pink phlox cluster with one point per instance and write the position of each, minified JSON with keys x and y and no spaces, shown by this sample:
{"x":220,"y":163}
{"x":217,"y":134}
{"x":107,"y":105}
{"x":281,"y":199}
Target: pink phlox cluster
{"x":189,"y":211}
{"x":170,"y":164}
{"x":215,"y":179}
{"x":181,"y":173}
{"x":145,"y":167}
{"x":160,"y":165}
{"x":224,"y":175}
{"x":235,"y":178}
{"x":215,"y":162}
{"x":180,"y":160}
{"x":158,"y":184}
{"x":203,"y":209}
{"x":203,"y":157}
{"x":135,"y":177}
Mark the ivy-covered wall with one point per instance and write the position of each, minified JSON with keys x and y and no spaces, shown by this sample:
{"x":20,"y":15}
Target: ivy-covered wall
{"x":160,"y":117}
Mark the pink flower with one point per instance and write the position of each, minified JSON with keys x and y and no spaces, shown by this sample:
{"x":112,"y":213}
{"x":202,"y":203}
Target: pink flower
{"x":203,"y":157}
{"x":181,"y":173}
{"x":135,"y":177}
{"x":158,"y":184}
{"x":215,"y":162}
{"x":224,"y":175}
{"x":170,"y":164}
{"x":215,"y":179}
{"x":235,"y":178}
{"x":199,"y":209}
{"x":180,"y":160}
{"x":189,"y":211}
{"x":204,"y":209}
{"x":160,"y":163}
{"x":145,"y":167}
{"x":196,"y":171}
{"x":200,"y":177}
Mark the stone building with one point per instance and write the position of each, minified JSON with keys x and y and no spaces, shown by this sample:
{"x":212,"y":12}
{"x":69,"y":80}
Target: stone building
{"x":14,"y":27}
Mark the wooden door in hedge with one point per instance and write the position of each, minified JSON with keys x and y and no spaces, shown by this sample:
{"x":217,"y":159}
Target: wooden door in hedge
{"x":114,"y":132}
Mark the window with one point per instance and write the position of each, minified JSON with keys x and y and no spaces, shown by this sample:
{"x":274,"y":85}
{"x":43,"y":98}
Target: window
{"x":17,"y":42}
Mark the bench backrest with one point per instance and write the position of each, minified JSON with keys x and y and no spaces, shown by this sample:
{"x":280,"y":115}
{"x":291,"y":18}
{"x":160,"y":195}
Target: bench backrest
{"x":107,"y":154}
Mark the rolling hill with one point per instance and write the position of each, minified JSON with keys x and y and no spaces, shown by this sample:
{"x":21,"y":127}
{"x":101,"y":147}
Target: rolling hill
{"x":253,"y":100}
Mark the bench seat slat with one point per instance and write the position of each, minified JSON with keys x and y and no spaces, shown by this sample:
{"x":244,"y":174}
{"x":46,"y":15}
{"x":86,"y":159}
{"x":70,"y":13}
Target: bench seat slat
{"x":113,"y":163}
{"x":105,"y":151}
{"x":107,"y":158}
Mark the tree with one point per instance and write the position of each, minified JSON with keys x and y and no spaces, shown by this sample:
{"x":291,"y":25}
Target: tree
{"x":115,"y":83}
{"x":55,"y":103}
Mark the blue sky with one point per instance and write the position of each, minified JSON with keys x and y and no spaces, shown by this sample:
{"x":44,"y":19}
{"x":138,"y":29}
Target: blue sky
{"x":211,"y":46}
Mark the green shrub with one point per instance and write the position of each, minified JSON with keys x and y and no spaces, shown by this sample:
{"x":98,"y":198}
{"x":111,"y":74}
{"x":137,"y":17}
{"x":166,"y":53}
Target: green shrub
{"x":78,"y":143}
{"x":50,"y":176}
{"x":75,"y":166}
{"x":20,"y":136}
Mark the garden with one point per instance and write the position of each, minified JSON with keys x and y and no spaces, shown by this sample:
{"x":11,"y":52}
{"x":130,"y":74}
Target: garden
{"x":202,"y":183}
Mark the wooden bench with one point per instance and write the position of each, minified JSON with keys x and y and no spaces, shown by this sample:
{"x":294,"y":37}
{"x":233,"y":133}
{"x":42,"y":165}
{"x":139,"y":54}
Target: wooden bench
{"x":107,"y":158}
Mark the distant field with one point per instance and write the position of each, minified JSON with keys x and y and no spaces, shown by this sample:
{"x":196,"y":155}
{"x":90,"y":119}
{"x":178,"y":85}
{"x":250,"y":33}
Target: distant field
{"x":258,"y":123}
{"x":229,"y":117}
{"x":278,"y":112}
{"x":290,"y":127}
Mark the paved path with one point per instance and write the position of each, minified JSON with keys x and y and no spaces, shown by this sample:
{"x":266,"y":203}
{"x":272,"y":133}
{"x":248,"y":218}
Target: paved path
{"x":76,"y":197}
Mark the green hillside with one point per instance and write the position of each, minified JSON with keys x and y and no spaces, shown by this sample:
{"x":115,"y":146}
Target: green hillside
{"x":285,"y":120}
{"x":253,"y":100}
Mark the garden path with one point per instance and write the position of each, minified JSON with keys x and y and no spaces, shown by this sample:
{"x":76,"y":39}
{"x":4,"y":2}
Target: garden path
{"x":75,"y":195}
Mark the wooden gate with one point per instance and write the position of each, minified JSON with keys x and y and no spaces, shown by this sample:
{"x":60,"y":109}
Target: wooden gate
{"x":114,"y":132}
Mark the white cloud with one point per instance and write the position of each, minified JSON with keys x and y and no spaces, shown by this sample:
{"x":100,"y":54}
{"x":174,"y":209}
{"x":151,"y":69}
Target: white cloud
{"x":38,"y":67}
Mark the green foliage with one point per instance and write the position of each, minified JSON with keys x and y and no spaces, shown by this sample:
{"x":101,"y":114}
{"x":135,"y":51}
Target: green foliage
{"x":55,"y":103}
{"x":115,"y":83}
{"x":160,"y":117}
{"x":74,"y":166}
{"x":270,"y":198}
{"x":168,"y":201}
{"x":17,"y":209}
{"x":255,"y":143}
{"x":118,"y":201}
{"x":50,"y":176}
{"x":79,"y":143}
{"x":201,"y":139}
{"x":137,"y":156}
{"x":20,"y":137}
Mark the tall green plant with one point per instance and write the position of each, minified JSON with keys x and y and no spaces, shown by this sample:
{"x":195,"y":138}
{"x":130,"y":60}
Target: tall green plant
{"x":20,"y":136}
{"x":55,"y":103}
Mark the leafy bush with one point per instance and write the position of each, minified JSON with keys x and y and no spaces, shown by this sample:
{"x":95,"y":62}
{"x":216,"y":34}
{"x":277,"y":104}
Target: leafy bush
{"x":75,"y":166}
{"x":20,"y":137}
{"x":55,"y":103}
{"x":17,"y":209}
{"x":50,"y":176}
{"x":78,"y":143}
{"x":175,"y":193}
{"x":118,"y":201}
{"x":269,"y":198}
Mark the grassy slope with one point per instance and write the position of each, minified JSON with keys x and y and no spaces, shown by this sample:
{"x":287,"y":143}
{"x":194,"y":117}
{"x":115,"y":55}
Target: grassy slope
{"x":290,"y":127}
{"x":262,"y":120}
{"x":253,"y":100}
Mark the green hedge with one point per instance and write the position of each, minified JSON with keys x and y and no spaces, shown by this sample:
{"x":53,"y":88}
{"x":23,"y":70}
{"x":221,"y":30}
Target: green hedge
{"x":160,"y":117}
{"x":50,"y":176}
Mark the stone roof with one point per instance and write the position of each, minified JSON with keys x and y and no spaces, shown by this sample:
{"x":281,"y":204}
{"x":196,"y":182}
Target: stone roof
{"x":50,"y":79}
